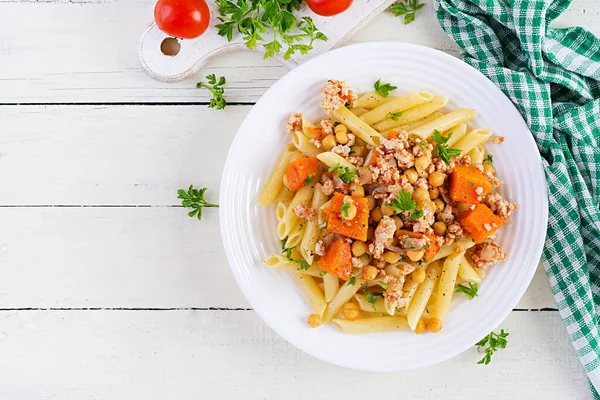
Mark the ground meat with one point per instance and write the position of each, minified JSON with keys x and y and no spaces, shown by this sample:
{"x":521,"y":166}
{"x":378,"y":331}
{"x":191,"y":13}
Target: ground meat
{"x":486,"y":254}
{"x":499,"y":206}
{"x":384,"y":233}
{"x":421,"y":183}
{"x":341,"y":149}
{"x":351,"y":139}
{"x":465,"y":160}
{"x":327,"y":185}
{"x":423,"y":224}
{"x":316,"y":142}
{"x":293,"y":123}
{"x":356,"y":161}
{"x":320,"y":248}
{"x":327,"y":127}
{"x":394,"y":294}
{"x":389,"y":145}
{"x":446,"y":215}
{"x":412,"y":243}
{"x":453,"y":231}
{"x":404,"y":158}
{"x":336,"y":94}
{"x":497,"y":139}
{"x":304,"y":212}
{"x":491,"y":178}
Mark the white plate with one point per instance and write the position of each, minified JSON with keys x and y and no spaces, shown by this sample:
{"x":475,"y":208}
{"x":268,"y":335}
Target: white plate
{"x":249,"y":231}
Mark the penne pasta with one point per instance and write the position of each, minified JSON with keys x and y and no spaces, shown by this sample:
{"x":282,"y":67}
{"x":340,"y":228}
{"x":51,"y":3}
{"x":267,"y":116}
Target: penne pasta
{"x":399,"y":104}
{"x":290,"y":220}
{"x":457,"y":131}
{"x":295,"y":236}
{"x":445,"y":122}
{"x":312,"y":292}
{"x":309,"y":129}
{"x":359,"y":127}
{"x":280,"y":210}
{"x":457,"y":246}
{"x":477,"y":154}
{"x":331,"y":284}
{"x":409,"y":289}
{"x":346,"y":292}
{"x":358,"y":111}
{"x":413,"y":114}
{"x":371,"y":100}
{"x":368,"y":325}
{"x":472,"y":140}
{"x":416,"y":124}
{"x":446,"y":284}
{"x":312,"y":231}
{"x":422,"y":295}
{"x":280,"y":262}
{"x":284,"y":195}
{"x":363,"y":304}
{"x":467,"y":272}
{"x":275,"y":182}
{"x":303,"y":145}
{"x":330,"y":159}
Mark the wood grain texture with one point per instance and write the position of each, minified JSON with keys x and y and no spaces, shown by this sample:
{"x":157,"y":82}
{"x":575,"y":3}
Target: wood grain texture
{"x":74,"y":355}
{"x":86,"y":52}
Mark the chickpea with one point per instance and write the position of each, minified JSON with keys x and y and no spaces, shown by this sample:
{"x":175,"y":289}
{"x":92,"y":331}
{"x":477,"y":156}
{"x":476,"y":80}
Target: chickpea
{"x":358,"y":151}
{"x":436,"y":178}
{"x":350,"y":311}
{"x":415,"y":255}
{"x":487,"y":167}
{"x":398,"y":222}
{"x":439,"y":205}
{"x":421,"y":163}
{"x":370,"y":272}
{"x":421,"y":196}
{"x":462,"y":207}
{"x":391,"y":257}
{"x":418,"y":275}
{"x":434,"y":325}
{"x":376,"y":215}
{"x":349,"y":213}
{"x":341,"y":134}
{"x":439,"y":228}
{"x":411,"y":175}
{"x":421,"y":327}
{"x":314,"y":320}
{"x":358,"y":248}
{"x":434,"y":193}
{"x":387,"y":210}
{"x":360,"y":142}
{"x":371,"y":201}
{"x":329,"y":142}
{"x":364,"y":259}
{"x":359,"y":191}
{"x":370,"y":233}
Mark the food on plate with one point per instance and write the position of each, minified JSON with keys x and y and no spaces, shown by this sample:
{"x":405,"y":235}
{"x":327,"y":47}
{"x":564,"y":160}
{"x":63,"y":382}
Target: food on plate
{"x":327,"y":8}
{"x":386,"y":208}
{"x":185,"y":19}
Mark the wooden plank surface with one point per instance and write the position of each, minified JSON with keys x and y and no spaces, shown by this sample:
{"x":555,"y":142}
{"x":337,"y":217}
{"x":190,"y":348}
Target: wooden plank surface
{"x":73,"y":51}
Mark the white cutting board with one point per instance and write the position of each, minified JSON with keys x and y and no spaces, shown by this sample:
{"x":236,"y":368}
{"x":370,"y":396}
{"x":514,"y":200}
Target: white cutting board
{"x":194,"y":53}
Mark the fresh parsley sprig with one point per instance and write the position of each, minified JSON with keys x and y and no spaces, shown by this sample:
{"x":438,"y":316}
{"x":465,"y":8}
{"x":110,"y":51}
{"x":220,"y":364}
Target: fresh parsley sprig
{"x":383,"y":285}
{"x":406,"y":8}
{"x":442,"y":147}
{"x":255,"y":19}
{"x":194,"y":199}
{"x":218,"y":101}
{"x":393,"y":116}
{"x":288,"y":253}
{"x":489,"y":159}
{"x":384,"y":89}
{"x":404,"y":202}
{"x":344,"y":173}
{"x":372,"y":298}
{"x":469,"y":291}
{"x":493,"y":341}
{"x":352,"y":280}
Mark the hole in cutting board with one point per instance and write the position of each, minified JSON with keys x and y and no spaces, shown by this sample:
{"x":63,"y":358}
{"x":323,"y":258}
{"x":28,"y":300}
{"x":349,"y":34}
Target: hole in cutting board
{"x":170,"y":46}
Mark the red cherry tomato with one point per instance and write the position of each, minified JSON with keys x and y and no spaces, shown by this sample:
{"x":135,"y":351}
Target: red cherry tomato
{"x":328,"y":8}
{"x":186,"y":19}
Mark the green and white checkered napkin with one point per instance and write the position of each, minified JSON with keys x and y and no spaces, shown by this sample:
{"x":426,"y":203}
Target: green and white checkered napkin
{"x":553,"y":77}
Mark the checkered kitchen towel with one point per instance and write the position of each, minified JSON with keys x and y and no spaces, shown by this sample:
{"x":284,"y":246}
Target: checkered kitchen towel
{"x":553,"y":77}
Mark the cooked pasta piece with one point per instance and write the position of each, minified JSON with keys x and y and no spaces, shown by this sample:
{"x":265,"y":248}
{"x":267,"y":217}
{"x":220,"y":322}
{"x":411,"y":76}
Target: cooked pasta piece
{"x":358,"y":111}
{"x":371,"y":100}
{"x":312,"y":231}
{"x":282,"y":263}
{"x":422,"y":295}
{"x":303,"y":145}
{"x":377,"y":307}
{"x":412,"y":115}
{"x":312,"y":292}
{"x":399,"y":104}
{"x":473,"y":139}
{"x":457,"y":131}
{"x":331,"y":284}
{"x":357,"y":126}
{"x":467,"y":272}
{"x":477,"y":154}
{"x":445,"y":122}
{"x":331,"y":159}
{"x":346,"y":292}
{"x":290,"y":220}
{"x":275,"y":182}
{"x":445,"y":288}
{"x":368,"y":325}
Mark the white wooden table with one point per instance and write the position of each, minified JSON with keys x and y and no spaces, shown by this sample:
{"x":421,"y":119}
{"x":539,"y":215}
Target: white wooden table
{"x":109,"y":291}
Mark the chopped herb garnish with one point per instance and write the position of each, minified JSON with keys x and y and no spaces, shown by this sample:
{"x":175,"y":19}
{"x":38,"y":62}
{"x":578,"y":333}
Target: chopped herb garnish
{"x":344,"y":173}
{"x":383,"y":284}
{"x":403,"y":202}
{"x":384,"y":89}
{"x":422,"y":144}
{"x":194,"y":199}
{"x":442,"y":148}
{"x":393,"y":116}
{"x":471,"y":183}
{"x":323,"y":273}
{"x":469,"y":291}
{"x":218,"y":101}
{"x":489,"y":158}
{"x":344,"y":209}
{"x":288,"y":253}
{"x":416,"y":215}
{"x":406,"y":8}
{"x":336,"y":124}
{"x":372,"y":298}
{"x":425,"y":260}
{"x":494,"y":341}
{"x":352,"y":280}
{"x":309,"y":180}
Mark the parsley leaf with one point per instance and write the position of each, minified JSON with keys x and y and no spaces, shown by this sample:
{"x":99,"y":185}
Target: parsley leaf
{"x":406,"y":8}
{"x":494,"y":341}
{"x":344,"y":173}
{"x":255,"y":19}
{"x":489,"y":158}
{"x":393,"y":116}
{"x":194,"y":199}
{"x":323,"y":273}
{"x":442,"y":148}
{"x":288,"y":253}
{"x":218,"y":101}
{"x":352,"y":281}
{"x":403,"y":202}
{"x":469,"y":291}
{"x":384,"y":89}
{"x":422,"y":144}
{"x":308,"y":180}
{"x":416,"y":215}
{"x":372,"y":298}
{"x":383,"y":284}
{"x":344,"y":209}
